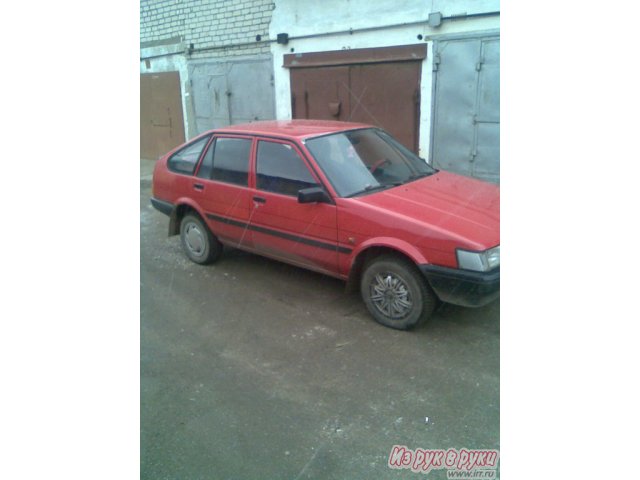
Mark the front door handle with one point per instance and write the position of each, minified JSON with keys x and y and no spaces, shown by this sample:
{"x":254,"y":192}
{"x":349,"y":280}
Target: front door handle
{"x":198,"y":186}
{"x":259,"y":199}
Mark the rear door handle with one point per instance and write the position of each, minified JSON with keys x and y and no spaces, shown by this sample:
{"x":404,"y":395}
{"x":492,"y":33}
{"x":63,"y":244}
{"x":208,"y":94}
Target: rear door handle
{"x":260,"y":199}
{"x":198,"y":186}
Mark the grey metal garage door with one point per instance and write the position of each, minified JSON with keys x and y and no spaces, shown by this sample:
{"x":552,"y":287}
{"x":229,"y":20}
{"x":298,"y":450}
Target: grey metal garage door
{"x":226,"y":93}
{"x":466,"y":132}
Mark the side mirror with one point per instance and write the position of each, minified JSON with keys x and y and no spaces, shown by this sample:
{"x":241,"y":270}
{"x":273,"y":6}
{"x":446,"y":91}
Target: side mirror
{"x":313,"y":195}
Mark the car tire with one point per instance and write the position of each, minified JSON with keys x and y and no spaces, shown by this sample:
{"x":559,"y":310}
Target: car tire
{"x":200,"y":245}
{"x":395,"y":293}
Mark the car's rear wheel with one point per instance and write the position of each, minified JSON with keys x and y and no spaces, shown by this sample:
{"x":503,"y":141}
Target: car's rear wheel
{"x":200,"y":245}
{"x":395,"y":293}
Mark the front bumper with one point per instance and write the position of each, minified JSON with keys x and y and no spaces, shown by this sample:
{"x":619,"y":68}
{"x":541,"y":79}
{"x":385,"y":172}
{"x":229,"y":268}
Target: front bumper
{"x":463,"y":287}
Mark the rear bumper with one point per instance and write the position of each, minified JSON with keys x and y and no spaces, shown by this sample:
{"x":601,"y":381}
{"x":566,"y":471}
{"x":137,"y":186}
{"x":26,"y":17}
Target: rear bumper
{"x":162,"y":206}
{"x":463,"y":287}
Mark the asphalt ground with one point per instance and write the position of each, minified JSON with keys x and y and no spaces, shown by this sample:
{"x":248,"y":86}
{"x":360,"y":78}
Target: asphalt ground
{"x":253,"y":369}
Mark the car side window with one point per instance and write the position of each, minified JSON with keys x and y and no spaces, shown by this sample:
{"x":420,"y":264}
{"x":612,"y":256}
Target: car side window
{"x":281,"y":170}
{"x":227,"y":160}
{"x":185,"y":160}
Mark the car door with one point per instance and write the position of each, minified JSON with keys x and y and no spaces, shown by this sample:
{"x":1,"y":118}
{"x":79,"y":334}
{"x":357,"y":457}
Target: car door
{"x":221,"y":187}
{"x":281,"y":227}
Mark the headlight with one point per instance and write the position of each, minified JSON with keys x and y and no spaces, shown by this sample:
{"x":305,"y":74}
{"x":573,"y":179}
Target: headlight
{"x":479,"y":261}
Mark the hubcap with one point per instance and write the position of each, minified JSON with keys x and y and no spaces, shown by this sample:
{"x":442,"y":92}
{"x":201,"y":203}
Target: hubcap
{"x":194,"y":239}
{"x":390,"y":295}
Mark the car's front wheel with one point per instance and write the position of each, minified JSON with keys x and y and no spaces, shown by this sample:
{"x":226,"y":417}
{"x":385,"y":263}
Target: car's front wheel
{"x":197,"y":240}
{"x":395,"y":293}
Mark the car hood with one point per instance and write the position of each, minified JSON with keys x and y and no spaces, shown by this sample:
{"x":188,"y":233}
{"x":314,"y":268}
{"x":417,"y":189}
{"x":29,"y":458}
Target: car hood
{"x":464,"y":206}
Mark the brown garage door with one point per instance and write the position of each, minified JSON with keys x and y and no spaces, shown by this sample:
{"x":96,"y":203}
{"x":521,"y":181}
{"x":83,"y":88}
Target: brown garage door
{"x":377,"y":86}
{"x":161,"y":122}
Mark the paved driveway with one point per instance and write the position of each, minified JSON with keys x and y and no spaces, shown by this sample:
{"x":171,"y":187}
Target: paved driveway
{"x":252,"y":369}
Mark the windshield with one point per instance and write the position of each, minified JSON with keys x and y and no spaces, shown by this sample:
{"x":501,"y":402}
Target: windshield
{"x":363,"y":161}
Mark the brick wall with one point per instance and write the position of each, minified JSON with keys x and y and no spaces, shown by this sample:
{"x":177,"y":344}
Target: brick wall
{"x":208,"y":23}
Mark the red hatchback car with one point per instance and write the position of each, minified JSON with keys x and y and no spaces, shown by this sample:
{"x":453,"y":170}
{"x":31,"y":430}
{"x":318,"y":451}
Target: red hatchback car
{"x":344,"y":199}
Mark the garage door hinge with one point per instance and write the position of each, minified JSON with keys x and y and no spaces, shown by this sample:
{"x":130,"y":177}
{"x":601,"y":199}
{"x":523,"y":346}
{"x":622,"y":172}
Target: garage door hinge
{"x":436,"y":62}
{"x":473,"y":155}
{"x":479,"y":64}
{"x":416,"y":96}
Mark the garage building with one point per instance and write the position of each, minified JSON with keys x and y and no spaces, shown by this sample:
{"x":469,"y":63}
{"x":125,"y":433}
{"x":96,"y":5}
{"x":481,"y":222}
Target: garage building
{"x":428,"y":72}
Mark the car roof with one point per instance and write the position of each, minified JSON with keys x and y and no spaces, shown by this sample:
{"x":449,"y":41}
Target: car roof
{"x":292,"y":128}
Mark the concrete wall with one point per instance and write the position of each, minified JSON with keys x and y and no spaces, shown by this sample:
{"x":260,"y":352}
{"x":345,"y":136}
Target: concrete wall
{"x":305,"y":18}
{"x":203,"y":40}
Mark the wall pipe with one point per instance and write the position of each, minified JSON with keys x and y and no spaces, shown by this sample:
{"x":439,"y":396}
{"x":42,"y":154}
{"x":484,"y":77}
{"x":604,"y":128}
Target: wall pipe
{"x":351,"y":31}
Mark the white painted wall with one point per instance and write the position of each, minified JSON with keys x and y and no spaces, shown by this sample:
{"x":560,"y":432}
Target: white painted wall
{"x":299,"y":18}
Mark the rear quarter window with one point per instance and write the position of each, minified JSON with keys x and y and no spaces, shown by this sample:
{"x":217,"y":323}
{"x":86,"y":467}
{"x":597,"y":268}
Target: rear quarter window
{"x":185,"y":160}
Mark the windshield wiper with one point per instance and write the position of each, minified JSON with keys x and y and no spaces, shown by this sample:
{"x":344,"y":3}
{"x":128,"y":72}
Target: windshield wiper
{"x":373,"y":188}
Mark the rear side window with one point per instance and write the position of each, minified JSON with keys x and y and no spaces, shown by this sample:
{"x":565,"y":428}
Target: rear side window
{"x":281,"y":170}
{"x":227,"y":160}
{"x":185,"y":160}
